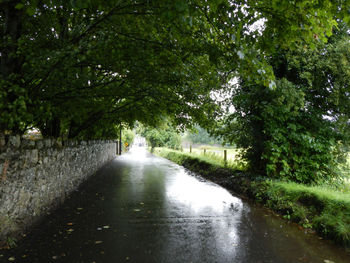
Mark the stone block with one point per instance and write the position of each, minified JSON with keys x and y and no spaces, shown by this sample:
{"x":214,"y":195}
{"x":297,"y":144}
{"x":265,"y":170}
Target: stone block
{"x":39,"y":144}
{"x":46,"y":159}
{"x":47,"y":143}
{"x":58,"y":143}
{"x":15,"y":141}
{"x":71,"y":143}
{"x":32,"y":156}
{"x":28,"y":144}
{"x":2,"y":141}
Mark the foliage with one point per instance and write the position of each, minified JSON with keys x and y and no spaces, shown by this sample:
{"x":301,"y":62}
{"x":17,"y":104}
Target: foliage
{"x":164,"y":136}
{"x":85,"y":67}
{"x":128,"y":136}
{"x":296,"y":130}
{"x":320,"y":208}
{"x":201,"y":136}
{"x":78,"y":68}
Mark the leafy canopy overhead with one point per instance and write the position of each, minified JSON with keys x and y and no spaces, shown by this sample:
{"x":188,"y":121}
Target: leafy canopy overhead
{"x":79,"y":68}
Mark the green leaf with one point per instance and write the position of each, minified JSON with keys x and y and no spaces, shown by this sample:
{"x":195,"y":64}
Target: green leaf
{"x":31,"y":10}
{"x":19,"y":6}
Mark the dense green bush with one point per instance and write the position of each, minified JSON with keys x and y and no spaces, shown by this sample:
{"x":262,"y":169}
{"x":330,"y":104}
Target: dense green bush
{"x":296,"y":129}
{"x":300,"y":145}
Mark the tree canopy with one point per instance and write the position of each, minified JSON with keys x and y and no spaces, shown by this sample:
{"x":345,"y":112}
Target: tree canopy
{"x":79,"y":68}
{"x":299,"y":129}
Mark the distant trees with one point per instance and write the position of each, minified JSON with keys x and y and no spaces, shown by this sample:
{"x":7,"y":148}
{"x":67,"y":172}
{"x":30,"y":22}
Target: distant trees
{"x":201,"y":136}
{"x":128,"y":136}
{"x":163,"y":136}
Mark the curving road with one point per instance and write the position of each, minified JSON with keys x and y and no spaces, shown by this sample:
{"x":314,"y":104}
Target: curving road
{"x":142,"y":208}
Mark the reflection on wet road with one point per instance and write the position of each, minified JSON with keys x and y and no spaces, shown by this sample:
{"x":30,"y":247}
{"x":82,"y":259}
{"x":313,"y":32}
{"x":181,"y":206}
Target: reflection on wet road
{"x":142,"y":208}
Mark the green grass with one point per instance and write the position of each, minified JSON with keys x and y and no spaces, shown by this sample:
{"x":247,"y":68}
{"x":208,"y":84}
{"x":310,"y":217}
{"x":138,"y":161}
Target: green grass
{"x":190,"y":160}
{"x":318,"y":207}
{"x":326,"y":209}
{"x":215,"y":155}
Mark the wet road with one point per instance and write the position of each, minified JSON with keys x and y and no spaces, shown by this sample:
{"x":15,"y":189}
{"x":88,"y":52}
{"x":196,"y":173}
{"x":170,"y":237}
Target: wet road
{"x":142,"y":208}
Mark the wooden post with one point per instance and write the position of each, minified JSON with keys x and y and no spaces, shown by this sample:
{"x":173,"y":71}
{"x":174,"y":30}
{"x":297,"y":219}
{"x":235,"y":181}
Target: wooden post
{"x":225,"y":157}
{"x":204,"y":151}
{"x":191,"y":148}
{"x":120,"y":141}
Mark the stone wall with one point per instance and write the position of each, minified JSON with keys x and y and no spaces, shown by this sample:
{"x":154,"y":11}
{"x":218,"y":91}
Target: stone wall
{"x":36,"y":176}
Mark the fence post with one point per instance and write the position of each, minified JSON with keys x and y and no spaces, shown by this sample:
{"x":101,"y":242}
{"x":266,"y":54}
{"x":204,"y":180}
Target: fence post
{"x":120,"y":141}
{"x":225,"y":157}
{"x":205,"y":151}
{"x":191,"y":148}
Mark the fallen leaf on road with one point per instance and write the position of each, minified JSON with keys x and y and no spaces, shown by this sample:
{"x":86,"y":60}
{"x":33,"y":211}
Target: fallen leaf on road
{"x":328,"y":261}
{"x":80,"y":208}
{"x":98,"y":242}
{"x":137,"y":210}
{"x":11,"y":259}
{"x":105,"y":227}
{"x":69,"y":224}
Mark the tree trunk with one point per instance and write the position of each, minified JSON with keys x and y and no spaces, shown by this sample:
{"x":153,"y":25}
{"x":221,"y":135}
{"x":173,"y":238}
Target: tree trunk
{"x":10,"y":63}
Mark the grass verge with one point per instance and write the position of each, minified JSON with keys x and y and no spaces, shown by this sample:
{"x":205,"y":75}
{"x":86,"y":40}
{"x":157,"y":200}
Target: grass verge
{"x":324,"y":210}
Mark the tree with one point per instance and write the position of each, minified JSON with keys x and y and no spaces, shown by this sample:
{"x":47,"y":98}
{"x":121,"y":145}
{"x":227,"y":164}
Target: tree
{"x":75,"y":68}
{"x":163,"y":136}
{"x":296,"y":130}
{"x":201,"y":136}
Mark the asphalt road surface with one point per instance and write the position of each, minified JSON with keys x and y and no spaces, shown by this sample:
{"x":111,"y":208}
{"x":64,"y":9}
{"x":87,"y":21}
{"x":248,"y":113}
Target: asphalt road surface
{"x":142,"y":208}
